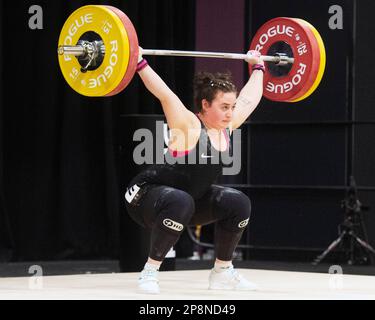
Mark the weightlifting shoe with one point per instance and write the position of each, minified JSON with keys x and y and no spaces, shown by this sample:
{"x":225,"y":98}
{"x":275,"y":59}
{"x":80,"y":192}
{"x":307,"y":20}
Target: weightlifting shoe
{"x":148,"y":281}
{"x":229,"y":279}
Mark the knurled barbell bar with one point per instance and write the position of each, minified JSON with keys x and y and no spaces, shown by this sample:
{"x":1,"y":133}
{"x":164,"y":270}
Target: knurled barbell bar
{"x":80,"y":50}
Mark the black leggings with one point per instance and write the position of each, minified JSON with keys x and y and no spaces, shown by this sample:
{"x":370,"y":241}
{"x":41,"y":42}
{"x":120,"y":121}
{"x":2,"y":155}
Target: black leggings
{"x":166,"y":211}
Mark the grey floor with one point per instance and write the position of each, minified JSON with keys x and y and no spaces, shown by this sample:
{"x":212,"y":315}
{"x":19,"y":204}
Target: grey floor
{"x":190,"y":285}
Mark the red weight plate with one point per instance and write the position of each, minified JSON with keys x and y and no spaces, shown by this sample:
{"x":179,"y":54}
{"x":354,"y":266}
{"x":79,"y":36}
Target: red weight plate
{"x":305,"y":51}
{"x":316,"y":60}
{"x":322,"y":63}
{"x":134,"y":50}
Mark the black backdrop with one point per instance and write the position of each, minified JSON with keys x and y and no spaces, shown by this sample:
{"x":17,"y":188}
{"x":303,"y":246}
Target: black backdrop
{"x":301,"y":156}
{"x":59,"y":184}
{"x":296,"y":160}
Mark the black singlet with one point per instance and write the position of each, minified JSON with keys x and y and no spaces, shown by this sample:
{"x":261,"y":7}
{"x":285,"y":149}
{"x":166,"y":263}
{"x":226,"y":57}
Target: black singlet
{"x":194,"y":171}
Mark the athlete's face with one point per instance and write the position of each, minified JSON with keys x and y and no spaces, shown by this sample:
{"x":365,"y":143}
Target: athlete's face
{"x":219,"y":112}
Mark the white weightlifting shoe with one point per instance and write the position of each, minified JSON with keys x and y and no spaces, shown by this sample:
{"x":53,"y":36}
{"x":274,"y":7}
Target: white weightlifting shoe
{"x":148,"y":282}
{"x":229,"y":279}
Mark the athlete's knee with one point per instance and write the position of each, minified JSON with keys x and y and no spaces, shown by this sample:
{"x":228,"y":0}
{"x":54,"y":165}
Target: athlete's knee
{"x":176,"y":209}
{"x":236,"y":207}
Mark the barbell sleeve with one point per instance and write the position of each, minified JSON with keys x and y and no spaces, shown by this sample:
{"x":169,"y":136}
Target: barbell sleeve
{"x":72,"y":50}
{"x":80,"y":50}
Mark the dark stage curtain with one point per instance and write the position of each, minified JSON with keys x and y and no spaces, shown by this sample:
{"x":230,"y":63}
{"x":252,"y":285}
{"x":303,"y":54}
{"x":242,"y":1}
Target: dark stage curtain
{"x":59,"y":151}
{"x":6,"y":244}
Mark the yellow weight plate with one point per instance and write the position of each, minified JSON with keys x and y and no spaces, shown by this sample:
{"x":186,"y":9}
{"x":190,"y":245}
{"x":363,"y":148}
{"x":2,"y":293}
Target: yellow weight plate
{"x":107,"y":77}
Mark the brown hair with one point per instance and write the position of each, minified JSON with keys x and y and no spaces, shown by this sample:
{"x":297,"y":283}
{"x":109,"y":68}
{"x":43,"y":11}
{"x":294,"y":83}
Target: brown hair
{"x":207,"y":85}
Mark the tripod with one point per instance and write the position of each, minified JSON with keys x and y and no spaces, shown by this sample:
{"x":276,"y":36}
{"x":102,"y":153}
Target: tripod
{"x":348,"y":237}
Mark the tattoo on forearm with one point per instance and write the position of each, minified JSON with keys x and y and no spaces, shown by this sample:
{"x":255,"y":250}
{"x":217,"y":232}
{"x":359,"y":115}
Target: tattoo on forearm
{"x":242,"y":101}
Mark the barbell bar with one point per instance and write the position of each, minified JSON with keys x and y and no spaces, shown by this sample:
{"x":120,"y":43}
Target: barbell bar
{"x":278,"y":58}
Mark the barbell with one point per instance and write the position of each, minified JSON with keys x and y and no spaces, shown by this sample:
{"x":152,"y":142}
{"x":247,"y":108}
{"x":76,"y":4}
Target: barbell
{"x":98,"y":54}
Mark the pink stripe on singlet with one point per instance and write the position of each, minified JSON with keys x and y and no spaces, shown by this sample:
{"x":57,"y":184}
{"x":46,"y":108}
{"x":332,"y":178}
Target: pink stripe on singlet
{"x":179,"y":154}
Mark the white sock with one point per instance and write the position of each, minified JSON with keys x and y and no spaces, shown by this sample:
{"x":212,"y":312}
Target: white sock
{"x":150,"y":266}
{"x":222,"y":266}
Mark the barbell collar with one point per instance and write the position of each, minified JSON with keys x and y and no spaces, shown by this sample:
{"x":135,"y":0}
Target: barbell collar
{"x":80,"y":51}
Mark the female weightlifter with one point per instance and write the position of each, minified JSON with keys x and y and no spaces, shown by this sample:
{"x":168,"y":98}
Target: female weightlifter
{"x":165,"y":198}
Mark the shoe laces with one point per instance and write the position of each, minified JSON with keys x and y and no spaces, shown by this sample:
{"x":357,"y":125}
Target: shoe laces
{"x":235,"y":274}
{"x":149,"y":274}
